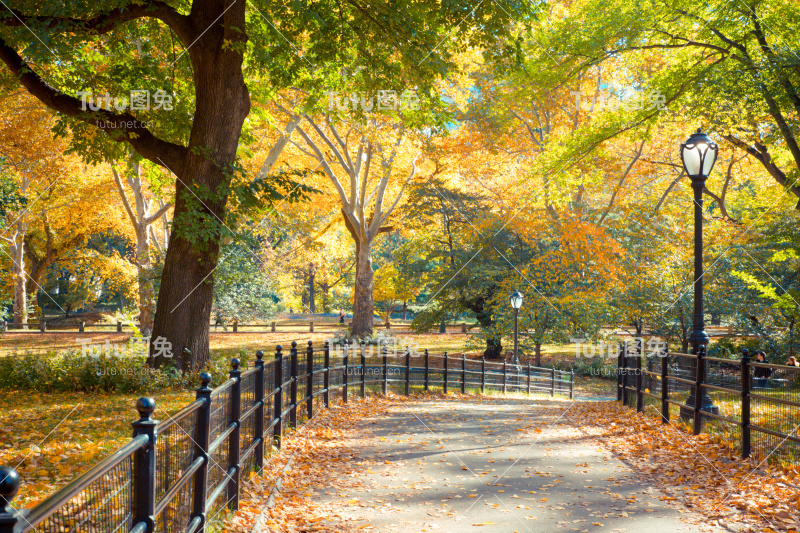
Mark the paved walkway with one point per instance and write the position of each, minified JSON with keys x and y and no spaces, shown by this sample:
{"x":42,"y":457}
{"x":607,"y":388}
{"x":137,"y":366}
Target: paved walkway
{"x":505,"y":465}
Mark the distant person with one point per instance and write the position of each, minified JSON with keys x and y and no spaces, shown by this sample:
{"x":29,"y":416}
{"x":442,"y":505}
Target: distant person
{"x":219,"y":321}
{"x":762,"y":374}
{"x":341,"y":316}
{"x":792,"y":362}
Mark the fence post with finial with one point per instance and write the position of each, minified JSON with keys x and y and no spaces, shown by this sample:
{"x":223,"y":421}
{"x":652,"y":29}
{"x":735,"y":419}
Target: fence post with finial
{"x":9,"y":486}
{"x":310,"y":380}
{"x":745,"y":404}
{"x":293,"y":385}
{"x":144,"y":466}
{"x":529,"y":378}
{"x":202,"y":441}
{"x":572,"y":384}
{"x":278,"y":396}
{"x":427,"y":370}
{"x":326,"y":377}
{"x":346,"y":376}
{"x":384,"y":373}
{"x":408,"y":370}
{"x":444,"y":382}
{"x":259,"y":414}
{"x":234,"y":449}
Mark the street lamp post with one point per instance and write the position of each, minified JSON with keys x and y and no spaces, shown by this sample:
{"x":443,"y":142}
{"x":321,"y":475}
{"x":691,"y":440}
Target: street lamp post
{"x":698,"y":155}
{"x":516,"y":303}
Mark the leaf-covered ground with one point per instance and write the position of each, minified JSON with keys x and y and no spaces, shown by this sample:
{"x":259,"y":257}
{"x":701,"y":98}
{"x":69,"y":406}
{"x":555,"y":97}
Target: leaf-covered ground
{"x":453,"y":341}
{"x":495,"y":464}
{"x":52,"y":438}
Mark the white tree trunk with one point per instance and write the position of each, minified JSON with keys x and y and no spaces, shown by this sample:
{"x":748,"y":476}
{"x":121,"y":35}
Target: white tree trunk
{"x":363,"y":303}
{"x":142,"y":220}
{"x":16,"y":244}
{"x":18,"y":270}
{"x":361,"y":194}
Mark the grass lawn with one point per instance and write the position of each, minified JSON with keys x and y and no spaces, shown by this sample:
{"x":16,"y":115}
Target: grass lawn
{"x":454,"y":343}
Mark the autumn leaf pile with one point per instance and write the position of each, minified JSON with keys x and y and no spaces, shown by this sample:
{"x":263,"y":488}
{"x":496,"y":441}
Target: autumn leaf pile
{"x":50,"y":439}
{"x":696,"y":471}
{"x":321,"y":459}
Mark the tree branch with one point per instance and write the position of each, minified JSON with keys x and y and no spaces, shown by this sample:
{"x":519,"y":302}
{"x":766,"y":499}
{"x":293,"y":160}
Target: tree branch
{"x":635,"y":158}
{"x":162,"y":210}
{"x":666,"y":193}
{"x":105,"y":22}
{"x":124,"y":197}
{"x":761,"y":154}
{"x":120,"y":128}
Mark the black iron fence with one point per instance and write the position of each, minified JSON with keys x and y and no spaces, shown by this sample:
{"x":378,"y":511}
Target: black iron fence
{"x":752,"y":407}
{"x":179,"y":474}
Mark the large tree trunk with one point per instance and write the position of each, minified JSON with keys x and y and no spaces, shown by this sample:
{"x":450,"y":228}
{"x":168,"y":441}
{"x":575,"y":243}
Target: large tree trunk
{"x":214,"y":39}
{"x":17,"y":249}
{"x":222,"y":104}
{"x":363,"y":304}
{"x":537,"y":350}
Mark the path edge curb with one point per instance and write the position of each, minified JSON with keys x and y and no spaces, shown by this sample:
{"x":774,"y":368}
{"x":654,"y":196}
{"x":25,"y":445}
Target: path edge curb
{"x":276,"y":489}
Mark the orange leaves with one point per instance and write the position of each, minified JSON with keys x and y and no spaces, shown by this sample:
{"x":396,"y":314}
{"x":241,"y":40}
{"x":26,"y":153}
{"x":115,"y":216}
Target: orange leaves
{"x":50,"y":444}
{"x":322,"y":461}
{"x":694,"y":471}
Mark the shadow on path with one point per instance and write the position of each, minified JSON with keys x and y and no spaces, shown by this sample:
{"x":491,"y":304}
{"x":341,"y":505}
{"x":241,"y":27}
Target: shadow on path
{"x":465,"y":463}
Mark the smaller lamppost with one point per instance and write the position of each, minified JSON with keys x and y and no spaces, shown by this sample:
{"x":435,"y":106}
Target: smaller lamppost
{"x":516,"y":303}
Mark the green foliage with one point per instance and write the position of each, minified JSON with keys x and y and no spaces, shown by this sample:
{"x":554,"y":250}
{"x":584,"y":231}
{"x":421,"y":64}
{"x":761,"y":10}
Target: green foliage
{"x":75,"y":371}
{"x":244,"y":288}
{"x":10,"y":198}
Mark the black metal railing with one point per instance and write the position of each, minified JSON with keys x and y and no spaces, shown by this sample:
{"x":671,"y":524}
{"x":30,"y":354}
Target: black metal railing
{"x":752,"y":407}
{"x":179,"y":474}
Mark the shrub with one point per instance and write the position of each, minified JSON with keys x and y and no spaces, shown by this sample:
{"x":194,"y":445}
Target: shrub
{"x":72,"y":371}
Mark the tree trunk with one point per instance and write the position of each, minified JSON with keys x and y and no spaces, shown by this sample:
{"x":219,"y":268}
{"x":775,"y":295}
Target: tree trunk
{"x":144,"y":270}
{"x":142,"y":221}
{"x":326,"y":307}
{"x":181,"y":323}
{"x":222,"y":104}
{"x":537,"y":350}
{"x":312,"y":306}
{"x":405,"y":309}
{"x":494,"y":348}
{"x":20,"y":292}
{"x":363,"y":304}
